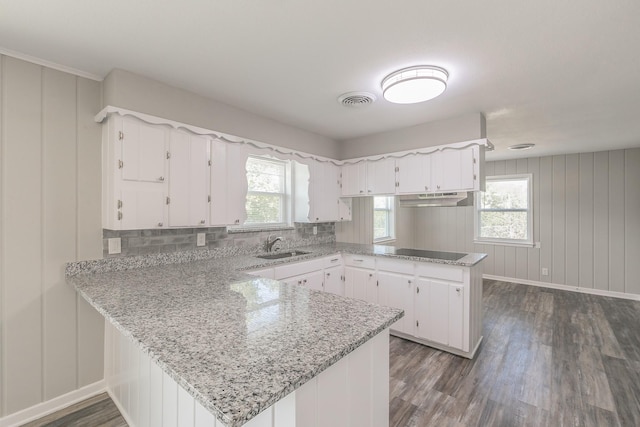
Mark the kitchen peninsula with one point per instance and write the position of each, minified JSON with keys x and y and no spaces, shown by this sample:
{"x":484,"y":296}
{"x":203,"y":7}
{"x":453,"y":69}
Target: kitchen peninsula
{"x":200,"y":342}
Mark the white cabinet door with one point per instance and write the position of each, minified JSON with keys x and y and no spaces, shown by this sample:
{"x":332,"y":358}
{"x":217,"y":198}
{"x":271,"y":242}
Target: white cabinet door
{"x":188,"y":180}
{"x":228,"y":184}
{"x":354,"y":177}
{"x":324,"y":192}
{"x":381,"y":177}
{"x":396,"y":290}
{"x":144,"y":149}
{"x":414,"y":174}
{"x":333,"y":281}
{"x":314,"y":280}
{"x":344,"y":209}
{"x":360,"y":283}
{"x":454,"y":170}
{"x":143,"y":208}
{"x":439,"y":311}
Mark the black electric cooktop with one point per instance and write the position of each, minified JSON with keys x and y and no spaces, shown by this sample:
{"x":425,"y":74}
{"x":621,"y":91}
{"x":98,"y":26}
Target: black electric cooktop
{"x":448,"y":256}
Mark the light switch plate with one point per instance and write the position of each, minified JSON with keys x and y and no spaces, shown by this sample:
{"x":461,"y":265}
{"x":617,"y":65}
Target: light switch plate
{"x":200,"y":239}
{"x":115,"y":245}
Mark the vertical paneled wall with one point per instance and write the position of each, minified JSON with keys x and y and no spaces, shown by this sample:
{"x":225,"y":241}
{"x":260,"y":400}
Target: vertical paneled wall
{"x":586,"y":218}
{"x":50,"y":340}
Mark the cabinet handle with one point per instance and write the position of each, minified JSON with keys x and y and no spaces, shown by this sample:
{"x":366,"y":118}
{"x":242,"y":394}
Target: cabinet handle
{"x":120,"y":164}
{"x":438,"y":187}
{"x":119,"y":204}
{"x":426,"y":188}
{"x":417,"y":290}
{"x":202,"y":221}
{"x":362,"y":191}
{"x":237,"y":221}
{"x":159,"y":224}
{"x":335,"y":259}
{"x":161,"y":178}
{"x":119,"y":215}
{"x":368,"y":191}
{"x":358,"y":260}
{"x":458,"y":290}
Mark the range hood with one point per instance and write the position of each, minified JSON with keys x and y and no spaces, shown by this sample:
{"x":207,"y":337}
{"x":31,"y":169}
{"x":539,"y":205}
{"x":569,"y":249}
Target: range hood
{"x":437,"y":199}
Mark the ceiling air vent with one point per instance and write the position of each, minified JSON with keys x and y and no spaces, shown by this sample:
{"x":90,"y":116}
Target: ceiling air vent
{"x":356,"y":99}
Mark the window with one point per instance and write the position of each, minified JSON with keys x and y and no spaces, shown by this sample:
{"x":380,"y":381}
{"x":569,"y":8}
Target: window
{"x":384,"y":227}
{"x":504,"y":211}
{"x":267,"y":193}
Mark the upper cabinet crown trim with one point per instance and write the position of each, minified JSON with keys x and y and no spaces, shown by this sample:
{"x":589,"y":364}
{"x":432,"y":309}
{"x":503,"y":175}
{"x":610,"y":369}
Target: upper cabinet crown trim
{"x":155,"y":120}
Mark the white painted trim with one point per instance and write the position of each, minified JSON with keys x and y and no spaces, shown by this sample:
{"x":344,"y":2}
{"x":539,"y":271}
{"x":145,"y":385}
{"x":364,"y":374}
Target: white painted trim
{"x":50,"y":406}
{"x":591,"y":291}
{"x":49,"y":64}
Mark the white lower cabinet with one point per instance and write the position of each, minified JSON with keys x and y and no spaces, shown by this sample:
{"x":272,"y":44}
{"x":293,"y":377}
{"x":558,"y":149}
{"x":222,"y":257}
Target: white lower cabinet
{"x":333,"y":280}
{"x":312,"y":280}
{"x":440,"y":312}
{"x":396,"y":290}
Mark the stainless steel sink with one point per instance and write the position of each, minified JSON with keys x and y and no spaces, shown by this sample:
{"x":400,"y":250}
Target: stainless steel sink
{"x":279,"y":255}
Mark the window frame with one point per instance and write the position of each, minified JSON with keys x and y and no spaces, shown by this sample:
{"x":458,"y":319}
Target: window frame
{"x":285,"y":196}
{"x":391,"y":219}
{"x":504,"y":241}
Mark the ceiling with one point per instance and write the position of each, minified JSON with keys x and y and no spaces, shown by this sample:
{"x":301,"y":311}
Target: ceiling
{"x":564,"y":75}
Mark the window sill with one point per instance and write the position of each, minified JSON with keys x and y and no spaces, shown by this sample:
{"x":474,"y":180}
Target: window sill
{"x":504,"y":243}
{"x":259,"y":228}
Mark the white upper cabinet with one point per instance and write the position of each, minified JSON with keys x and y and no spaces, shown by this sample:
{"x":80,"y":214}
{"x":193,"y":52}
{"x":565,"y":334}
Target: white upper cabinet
{"x":134,"y":188}
{"x":451,"y":169}
{"x":414,"y":174}
{"x":381,"y":177}
{"x":317,"y":192}
{"x":143,"y":150}
{"x":228,"y":183}
{"x":369,"y":178}
{"x":354,"y":179}
{"x":188,"y":180}
{"x":454,"y":170}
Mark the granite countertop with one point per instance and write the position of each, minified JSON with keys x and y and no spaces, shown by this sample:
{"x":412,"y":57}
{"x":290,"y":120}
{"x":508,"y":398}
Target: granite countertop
{"x":237,"y":343}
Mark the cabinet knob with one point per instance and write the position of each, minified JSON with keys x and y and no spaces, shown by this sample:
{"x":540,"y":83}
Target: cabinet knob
{"x":370,"y":274}
{"x":458,"y":290}
{"x":304,"y":281}
{"x":159,"y":224}
{"x":328,"y":274}
{"x":299,"y":282}
{"x":161,"y":178}
{"x":202,"y":221}
{"x":368,"y":191}
{"x":361,"y":191}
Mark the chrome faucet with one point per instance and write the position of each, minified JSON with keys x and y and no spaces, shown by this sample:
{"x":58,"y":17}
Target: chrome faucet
{"x":270,"y":242}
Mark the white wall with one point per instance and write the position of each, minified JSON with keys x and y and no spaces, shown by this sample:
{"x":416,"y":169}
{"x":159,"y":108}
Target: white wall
{"x":51,"y":340}
{"x":457,"y":129}
{"x":134,"y":92}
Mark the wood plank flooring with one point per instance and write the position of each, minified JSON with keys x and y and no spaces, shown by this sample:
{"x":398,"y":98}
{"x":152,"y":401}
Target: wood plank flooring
{"x":98,"y":411}
{"x":549,"y":358}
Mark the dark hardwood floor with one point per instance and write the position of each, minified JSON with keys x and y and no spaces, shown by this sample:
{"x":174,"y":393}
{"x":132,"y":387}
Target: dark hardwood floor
{"x":549,"y":358}
{"x":98,"y":411}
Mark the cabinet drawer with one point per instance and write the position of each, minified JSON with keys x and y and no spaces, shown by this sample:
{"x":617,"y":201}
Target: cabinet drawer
{"x":441,"y":271}
{"x":265,"y":272}
{"x":288,"y":270}
{"x":396,"y":266}
{"x":332,"y":261}
{"x":360,"y":261}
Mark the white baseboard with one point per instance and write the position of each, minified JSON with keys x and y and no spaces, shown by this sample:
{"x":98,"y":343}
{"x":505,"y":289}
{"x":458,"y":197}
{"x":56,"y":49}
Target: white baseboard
{"x":592,"y":291}
{"x":50,"y":406}
{"x":124,"y":413}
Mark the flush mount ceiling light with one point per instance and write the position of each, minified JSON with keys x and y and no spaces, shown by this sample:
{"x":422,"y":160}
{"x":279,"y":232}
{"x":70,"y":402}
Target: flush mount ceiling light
{"x":521,"y":146}
{"x":414,"y":84}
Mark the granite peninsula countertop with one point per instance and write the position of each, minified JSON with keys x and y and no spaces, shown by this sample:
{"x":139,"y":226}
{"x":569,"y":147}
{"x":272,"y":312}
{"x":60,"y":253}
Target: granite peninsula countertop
{"x":235,"y":342}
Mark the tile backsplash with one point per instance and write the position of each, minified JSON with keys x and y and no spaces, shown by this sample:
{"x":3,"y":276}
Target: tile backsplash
{"x":144,"y":242}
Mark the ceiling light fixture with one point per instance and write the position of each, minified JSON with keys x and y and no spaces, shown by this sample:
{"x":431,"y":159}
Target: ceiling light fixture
{"x":414,"y":84}
{"x":521,"y":146}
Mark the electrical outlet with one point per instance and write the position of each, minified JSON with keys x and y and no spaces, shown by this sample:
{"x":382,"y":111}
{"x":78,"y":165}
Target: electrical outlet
{"x":315,"y":230}
{"x":115,"y":245}
{"x":200,"y":239}
{"x":545,"y":271}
